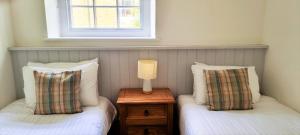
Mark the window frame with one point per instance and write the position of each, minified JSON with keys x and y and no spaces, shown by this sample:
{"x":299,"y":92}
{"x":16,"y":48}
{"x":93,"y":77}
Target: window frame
{"x":147,"y":18}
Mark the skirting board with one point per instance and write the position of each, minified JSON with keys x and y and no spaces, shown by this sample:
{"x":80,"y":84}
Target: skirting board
{"x":118,"y":66}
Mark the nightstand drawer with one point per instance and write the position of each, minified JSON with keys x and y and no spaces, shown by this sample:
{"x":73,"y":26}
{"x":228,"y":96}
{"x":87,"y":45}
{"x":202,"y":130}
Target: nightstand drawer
{"x":146,"y":114}
{"x":159,"y":120}
{"x":146,"y":110}
{"x":147,"y":130}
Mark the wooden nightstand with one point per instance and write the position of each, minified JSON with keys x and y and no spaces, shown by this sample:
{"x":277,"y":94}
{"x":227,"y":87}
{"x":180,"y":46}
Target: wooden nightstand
{"x":142,"y":114}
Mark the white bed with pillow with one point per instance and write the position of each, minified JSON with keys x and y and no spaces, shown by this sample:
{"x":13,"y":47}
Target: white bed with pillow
{"x":18,"y":119}
{"x":93,"y":115}
{"x":268,"y":116}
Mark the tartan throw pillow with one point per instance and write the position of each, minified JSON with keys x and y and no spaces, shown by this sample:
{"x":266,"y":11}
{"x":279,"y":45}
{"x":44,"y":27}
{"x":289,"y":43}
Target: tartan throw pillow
{"x":57,"y":93}
{"x":228,"y":89}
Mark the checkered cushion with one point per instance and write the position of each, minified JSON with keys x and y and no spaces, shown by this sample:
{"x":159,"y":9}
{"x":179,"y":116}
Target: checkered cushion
{"x":57,"y":93}
{"x":228,"y":89}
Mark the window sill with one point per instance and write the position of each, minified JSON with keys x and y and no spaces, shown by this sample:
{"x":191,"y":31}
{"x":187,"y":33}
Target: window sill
{"x":99,"y":38}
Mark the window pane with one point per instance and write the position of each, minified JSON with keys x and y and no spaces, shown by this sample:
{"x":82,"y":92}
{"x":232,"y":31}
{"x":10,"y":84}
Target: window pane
{"x":106,"y":17}
{"x":130,"y":18}
{"x":105,"y":2}
{"x":82,"y":2}
{"x":82,"y":17}
{"x":129,"y":2}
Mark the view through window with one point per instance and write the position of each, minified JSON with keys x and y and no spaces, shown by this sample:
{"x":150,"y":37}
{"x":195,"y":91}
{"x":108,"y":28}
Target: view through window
{"x":105,"y":14}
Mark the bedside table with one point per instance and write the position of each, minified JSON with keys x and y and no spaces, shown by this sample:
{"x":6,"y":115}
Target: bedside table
{"x":146,"y":114}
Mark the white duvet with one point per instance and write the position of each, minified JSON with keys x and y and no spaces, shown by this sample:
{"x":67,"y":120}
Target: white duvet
{"x":268,"y":117}
{"x":17,"y":119}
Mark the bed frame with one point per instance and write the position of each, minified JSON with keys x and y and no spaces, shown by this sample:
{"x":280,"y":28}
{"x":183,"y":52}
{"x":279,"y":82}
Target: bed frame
{"x":118,"y":65}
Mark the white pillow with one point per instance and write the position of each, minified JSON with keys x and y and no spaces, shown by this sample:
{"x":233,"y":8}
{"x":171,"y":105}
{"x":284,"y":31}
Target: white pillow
{"x":200,"y":88}
{"x":88,"y":84}
{"x":61,"y":64}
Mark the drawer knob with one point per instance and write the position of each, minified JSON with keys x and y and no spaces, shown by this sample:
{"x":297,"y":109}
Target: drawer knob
{"x":146,"y":131}
{"x":146,"y":113}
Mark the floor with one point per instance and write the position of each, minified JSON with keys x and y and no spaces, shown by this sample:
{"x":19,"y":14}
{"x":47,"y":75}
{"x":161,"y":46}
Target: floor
{"x":115,"y":128}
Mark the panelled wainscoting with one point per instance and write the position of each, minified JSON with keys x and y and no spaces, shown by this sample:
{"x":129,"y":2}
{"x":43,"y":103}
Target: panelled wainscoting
{"x":118,"y":65}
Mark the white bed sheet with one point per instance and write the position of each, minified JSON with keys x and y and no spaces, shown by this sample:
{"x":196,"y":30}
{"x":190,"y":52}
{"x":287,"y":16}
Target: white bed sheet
{"x":17,"y":119}
{"x":268,"y":117}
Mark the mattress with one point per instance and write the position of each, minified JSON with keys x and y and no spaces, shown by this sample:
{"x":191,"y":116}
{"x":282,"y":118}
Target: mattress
{"x":268,"y":117}
{"x":17,"y":119}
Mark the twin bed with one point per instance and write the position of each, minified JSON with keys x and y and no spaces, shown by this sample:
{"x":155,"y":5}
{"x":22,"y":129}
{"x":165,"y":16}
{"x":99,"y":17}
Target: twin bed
{"x":268,"y":117}
{"x":16,"y":119}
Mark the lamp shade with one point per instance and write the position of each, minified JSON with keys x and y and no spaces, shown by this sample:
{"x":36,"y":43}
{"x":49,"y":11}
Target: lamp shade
{"x":147,"y":69}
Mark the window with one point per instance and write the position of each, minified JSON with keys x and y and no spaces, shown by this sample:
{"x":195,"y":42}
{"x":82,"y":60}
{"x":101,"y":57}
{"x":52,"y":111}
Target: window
{"x":102,"y":18}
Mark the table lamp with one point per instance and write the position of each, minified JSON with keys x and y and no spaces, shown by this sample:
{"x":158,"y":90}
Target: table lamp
{"x":147,"y":70}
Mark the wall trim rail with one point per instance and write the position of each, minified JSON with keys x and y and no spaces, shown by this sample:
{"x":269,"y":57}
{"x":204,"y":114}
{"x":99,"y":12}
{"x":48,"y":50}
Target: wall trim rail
{"x":253,"y":46}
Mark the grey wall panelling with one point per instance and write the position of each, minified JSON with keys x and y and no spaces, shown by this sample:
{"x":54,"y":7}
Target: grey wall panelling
{"x":118,"y":67}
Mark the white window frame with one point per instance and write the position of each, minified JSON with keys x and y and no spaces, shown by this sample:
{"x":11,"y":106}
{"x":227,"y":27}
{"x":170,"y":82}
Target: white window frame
{"x":60,"y":27}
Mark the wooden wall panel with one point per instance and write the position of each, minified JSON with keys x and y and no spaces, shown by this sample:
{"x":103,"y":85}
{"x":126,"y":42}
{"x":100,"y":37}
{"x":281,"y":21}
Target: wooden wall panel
{"x":17,"y":75}
{"x":114,"y":74}
{"x":105,"y":75}
{"x":201,"y":56}
{"x":133,"y":60}
{"x":229,"y":57}
{"x":191,"y":58}
{"x":239,"y":57}
{"x":162,"y":73}
{"x":74,"y":56}
{"x":153,"y":54}
{"x":124,"y":69}
{"x":32,"y":56}
{"x":63,"y":56}
{"x":248,"y":58}
{"x":172,"y":71}
{"x":118,"y":68}
{"x":53,"y":56}
{"x":43,"y":56}
{"x":210,"y":57}
{"x":181,"y":71}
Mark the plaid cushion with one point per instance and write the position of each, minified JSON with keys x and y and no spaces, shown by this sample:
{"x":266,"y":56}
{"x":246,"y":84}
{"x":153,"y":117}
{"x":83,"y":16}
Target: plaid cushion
{"x":228,"y":89}
{"x":57,"y":93}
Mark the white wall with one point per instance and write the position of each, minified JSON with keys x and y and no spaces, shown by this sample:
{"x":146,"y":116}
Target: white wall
{"x":282,"y":33}
{"x":7,"y":89}
{"x":179,"y":22}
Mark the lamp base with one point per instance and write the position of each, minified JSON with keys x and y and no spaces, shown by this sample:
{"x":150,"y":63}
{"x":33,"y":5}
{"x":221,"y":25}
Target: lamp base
{"x":147,"y":93}
{"x":147,"y":88}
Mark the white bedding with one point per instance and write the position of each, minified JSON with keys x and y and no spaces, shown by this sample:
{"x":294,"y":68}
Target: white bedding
{"x":17,"y":119}
{"x":268,"y":117}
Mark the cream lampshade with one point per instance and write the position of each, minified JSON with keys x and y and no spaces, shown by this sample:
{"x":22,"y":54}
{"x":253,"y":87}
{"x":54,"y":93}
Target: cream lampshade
{"x":147,"y":70}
